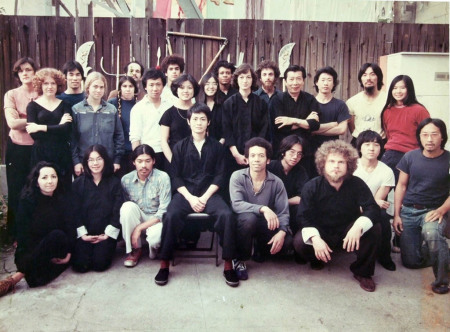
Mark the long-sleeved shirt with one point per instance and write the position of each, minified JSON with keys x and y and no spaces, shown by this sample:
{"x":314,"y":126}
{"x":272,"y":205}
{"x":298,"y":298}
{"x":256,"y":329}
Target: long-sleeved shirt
{"x":152,"y":196}
{"x":38,"y":217}
{"x":300,"y":109}
{"x":97,"y":207}
{"x":91,"y":127}
{"x":323,"y":209}
{"x":197,"y":171}
{"x":243,"y":120}
{"x":272,"y":194}
{"x":293,"y":181}
{"x":144,"y":123}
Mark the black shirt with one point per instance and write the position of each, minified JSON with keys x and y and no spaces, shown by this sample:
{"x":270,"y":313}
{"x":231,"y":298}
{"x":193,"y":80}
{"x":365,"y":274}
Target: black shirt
{"x":197,"y":173}
{"x":244,"y":120}
{"x":293,"y":181}
{"x":331,"y":211}
{"x":215,"y":127}
{"x":97,"y":206}
{"x":300,"y":109}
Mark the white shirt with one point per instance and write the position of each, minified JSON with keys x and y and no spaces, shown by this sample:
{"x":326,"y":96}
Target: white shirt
{"x":144,"y":123}
{"x":381,"y":176}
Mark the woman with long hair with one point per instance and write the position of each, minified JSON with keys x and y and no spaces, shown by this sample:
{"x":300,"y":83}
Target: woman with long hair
{"x":43,"y":239}
{"x":50,"y":123}
{"x":209,"y":95}
{"x":124,"y":102}
{"x":19,"y":142}
{"x":97,"y":198}
{"x":399,"y":119}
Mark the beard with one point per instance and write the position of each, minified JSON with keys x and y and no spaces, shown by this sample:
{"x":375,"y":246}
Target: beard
{"x":370,"y":90}
{"x":335,"y":178}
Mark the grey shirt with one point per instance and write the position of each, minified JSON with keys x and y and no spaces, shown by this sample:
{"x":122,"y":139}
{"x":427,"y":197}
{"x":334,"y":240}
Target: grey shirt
{"x":272,"y":194}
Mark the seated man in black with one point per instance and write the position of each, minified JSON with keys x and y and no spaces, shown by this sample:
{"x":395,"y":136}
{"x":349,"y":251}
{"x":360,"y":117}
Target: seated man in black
{"x":330,"y":214}
{"x":197,"y":170}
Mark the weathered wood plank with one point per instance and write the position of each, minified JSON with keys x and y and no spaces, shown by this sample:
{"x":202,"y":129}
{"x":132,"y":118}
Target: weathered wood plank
{"x":103,"y":48}
{"x":193,"y":49}
{"x":157,"y":38}
{"x":229,"y":30}
{"x":65,"y":42}
{"x":139,"y":41}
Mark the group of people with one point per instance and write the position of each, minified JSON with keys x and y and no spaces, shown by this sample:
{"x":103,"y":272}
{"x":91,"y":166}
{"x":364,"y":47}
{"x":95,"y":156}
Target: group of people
{"x":268,"y":166}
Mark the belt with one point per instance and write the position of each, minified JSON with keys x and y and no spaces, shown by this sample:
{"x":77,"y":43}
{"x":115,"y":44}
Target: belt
{"x":420,"y":207}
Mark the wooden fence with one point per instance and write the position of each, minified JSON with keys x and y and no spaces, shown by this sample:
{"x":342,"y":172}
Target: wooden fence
{"x":51,"y":41}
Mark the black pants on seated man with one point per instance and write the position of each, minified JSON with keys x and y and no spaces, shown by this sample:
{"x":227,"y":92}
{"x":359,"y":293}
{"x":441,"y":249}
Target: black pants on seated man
{"x":174,"y":222}
{"x":250,"y":226}
{"x":366,"y":255}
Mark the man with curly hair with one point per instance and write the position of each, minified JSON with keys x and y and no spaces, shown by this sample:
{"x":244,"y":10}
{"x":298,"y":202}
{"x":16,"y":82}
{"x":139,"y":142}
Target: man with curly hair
{"x":338,"y":210}
{"x":172,"y":66}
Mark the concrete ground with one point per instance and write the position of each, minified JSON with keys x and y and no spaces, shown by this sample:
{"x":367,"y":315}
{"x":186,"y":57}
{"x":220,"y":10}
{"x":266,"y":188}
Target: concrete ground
{"x":280,"y":295}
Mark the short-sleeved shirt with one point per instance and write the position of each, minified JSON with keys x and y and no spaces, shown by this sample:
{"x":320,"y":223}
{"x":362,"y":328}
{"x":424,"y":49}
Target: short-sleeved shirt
{"x":367,"y":114}
{"x":428,"y":178}
{"x":381,"y":176}
{"x":335,"y":110}
{"x":176,"y":119}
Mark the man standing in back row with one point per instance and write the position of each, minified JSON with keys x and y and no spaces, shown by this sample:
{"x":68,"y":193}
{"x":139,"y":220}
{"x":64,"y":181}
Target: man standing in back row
{"x":365,"y":107}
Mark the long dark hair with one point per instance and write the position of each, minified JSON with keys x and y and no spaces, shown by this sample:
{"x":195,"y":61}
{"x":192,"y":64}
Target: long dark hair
{"x":410,"y":95}
{"x":108,"y":168}
{"x":202,"y":95}
{"x":31,"y":188}
{"x":122,"y":80}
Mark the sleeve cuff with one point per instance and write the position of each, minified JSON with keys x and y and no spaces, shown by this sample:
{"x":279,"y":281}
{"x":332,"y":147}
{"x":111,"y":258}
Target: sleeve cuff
{"x":112,"y":232}
{"x":81,"y":231}
{"x":308,"y":233}
{"x":257,"y":209}
{"x":364,"y":222}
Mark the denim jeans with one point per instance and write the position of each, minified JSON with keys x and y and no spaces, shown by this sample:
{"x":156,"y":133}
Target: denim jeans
{"x":423,"y":243}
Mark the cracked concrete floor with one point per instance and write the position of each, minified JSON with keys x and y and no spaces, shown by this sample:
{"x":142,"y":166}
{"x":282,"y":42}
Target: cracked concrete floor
{"x":279,"y":296}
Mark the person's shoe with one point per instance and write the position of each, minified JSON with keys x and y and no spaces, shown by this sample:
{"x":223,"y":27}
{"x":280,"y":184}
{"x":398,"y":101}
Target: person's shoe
{"x":388,"y":264}
{"x":241,"y":269}
{"x":231,"y":278}
{"x":440,"y":289}
{"x":258,"y":257}
{"x":133,"y":258}
{"x":317,"y":265}
{"x":162,"y":277}
{"x":6,"y":285}
{"x":366,"y":283}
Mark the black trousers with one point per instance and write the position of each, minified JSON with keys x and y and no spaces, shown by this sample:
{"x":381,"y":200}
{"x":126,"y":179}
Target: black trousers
{"x":17,"y":158}
{"x":366,"y":255}
{"x":93,"y":256}
{"x":384,"y":247}
{"x":37,"y":265}
{"x":249,"y":226}
{"x":174,"y":222}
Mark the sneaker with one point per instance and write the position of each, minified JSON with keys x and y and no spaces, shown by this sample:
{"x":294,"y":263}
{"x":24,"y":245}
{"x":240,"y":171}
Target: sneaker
{"x":231,"y":278}
{"x":133,"y":258}
{"x":162,"y":277}
{"x":241,"y":269}
{"x":388,"y":264}
{"x":6,"y":285}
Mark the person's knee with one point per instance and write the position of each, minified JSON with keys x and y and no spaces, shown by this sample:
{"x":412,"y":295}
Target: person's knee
{"x":247,"y":222}
{"x":100,"y":265}
{"x":298,"y":242}
{"x":126,"y":210}
{"x":431,"y":235}
{"x":80,"y":267}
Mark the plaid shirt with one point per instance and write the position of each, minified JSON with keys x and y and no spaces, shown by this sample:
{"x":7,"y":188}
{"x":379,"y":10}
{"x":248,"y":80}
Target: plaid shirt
{"x":153,"y":196}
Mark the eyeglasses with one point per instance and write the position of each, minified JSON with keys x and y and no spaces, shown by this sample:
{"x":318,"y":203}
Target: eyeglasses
{"x":92,"y":160}
{"x":292,"y":152}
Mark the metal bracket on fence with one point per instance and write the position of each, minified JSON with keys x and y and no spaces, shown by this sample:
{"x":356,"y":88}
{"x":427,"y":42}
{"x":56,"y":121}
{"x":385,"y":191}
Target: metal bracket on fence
{"x":194,"y":35}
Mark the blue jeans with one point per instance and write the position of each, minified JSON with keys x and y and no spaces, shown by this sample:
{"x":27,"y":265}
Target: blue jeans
{"x":423,"y":243}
